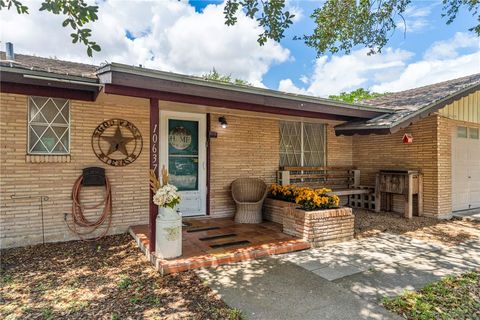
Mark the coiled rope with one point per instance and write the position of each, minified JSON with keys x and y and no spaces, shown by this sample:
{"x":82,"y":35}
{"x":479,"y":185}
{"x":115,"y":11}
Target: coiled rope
{"x":78,"y":217}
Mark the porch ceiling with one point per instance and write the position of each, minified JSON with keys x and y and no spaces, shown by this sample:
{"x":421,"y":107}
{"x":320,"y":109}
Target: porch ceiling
{"x":140,"y":82}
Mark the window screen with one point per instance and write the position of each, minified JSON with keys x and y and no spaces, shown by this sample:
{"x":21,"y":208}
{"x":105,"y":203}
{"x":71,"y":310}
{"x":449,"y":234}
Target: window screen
{"x":302,"y":144}
{"x":48,"y":126}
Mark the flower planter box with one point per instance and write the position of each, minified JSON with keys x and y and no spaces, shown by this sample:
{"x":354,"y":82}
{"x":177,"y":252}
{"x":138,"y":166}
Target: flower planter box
{"x":321,"y":227}
{"x":274,"y":210}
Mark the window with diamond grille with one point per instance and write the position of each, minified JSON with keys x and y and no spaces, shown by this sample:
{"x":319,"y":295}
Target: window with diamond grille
{"x":48,"y":125}
{"x":302,"y":144}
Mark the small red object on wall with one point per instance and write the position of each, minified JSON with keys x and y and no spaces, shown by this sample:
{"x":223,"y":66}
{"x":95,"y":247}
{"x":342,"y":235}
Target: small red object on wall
{"x":407,"y":138}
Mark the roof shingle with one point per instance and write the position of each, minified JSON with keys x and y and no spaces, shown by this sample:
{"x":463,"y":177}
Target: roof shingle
{"x":409,"y":103}
{"x":56,"y":66}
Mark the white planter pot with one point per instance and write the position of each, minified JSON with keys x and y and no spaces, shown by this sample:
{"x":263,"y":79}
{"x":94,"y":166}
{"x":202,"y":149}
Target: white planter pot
{"x":168,"y":242}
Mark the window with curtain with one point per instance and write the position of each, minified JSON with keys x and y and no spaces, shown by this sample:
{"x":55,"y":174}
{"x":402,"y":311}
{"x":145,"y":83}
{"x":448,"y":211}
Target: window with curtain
{"x":302,"y":144}
{"x":48,"y":125}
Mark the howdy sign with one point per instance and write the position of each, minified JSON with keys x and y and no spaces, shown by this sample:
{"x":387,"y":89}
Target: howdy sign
{"x":117,"y":142}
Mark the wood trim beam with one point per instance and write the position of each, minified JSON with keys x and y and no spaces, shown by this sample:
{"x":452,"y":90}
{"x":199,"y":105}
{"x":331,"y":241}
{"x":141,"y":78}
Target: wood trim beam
{"x":154,"y":165}
{"x":47,"y":91}
{"x":209,"y":127}
{"x":220,"y":103}
{"x":362,"y":132}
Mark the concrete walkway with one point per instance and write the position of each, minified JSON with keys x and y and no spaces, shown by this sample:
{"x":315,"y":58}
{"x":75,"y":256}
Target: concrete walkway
{"x":473,"y":214}
{"x":387,"y":265}
{"x":344,"y":281}
{"x":272,"y":289}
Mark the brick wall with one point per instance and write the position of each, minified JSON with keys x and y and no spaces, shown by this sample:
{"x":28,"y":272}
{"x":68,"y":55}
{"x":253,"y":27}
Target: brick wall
{"x":320,"y":228}
{"x":249,"y":147}
{"x":20,"y":220}
{"x":339,"y":149}
{"x":375,"y":152}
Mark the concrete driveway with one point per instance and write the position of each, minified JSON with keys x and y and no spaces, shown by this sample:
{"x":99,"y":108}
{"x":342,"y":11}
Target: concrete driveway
{"x":344,"y":281}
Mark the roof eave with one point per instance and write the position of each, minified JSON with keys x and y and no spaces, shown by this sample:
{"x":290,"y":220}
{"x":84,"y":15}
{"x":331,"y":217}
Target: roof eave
{"x":432,"y":108}
{"x":411,"y":118}
{"x":17,"y":80}
{"x":362,"y":131}
{"x":165,"y":82}
{"x":27,"y":71}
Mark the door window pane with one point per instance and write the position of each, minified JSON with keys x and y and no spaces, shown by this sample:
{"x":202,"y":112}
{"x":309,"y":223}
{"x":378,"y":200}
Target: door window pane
{"x":183,"y":154}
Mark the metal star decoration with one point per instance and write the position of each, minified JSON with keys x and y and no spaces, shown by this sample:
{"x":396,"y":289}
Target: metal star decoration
{"x":118,"y":142}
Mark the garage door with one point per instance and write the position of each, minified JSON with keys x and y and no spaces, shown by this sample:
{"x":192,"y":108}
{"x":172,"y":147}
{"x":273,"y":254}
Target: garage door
{"x":465,"y":169}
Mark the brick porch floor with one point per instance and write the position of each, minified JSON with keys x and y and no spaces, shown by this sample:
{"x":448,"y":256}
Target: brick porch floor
{"x":227,"y":243}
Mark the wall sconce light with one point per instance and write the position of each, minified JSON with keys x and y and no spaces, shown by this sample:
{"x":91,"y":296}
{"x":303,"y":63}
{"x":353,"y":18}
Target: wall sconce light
{"x":223,"y":122}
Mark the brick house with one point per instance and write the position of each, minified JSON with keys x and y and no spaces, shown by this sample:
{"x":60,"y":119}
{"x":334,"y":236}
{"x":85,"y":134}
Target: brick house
{"x":51,"y":110}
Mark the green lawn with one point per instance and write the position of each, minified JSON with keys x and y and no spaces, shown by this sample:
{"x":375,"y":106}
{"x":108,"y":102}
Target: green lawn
{"x":450,"y":298}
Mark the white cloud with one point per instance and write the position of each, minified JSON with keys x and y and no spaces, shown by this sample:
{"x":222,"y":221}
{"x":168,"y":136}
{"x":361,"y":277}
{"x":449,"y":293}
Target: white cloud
{"x":294,"y":8}
{"x":169,"y":35}
{"x":392,"y":70}
{"x":442,"y":61}
{"x":348,"y":72}
{"x":449,"y":48}
{"x":415,"y":19}
{"x":287,"y":85}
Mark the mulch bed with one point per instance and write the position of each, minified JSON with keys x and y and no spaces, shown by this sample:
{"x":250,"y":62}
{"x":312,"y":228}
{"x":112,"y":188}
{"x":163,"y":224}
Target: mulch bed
{"x":106,"y":279}
{"x":446,"y":232}
{"x":111,"y":279}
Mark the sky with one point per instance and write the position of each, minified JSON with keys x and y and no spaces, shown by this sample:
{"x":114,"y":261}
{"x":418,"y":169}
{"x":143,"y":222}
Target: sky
{"x":192,"y":38}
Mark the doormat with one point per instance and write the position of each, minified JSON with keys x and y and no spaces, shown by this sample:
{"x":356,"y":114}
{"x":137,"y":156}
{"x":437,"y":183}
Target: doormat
{"x":229,"y":244}
{"x":220,"y":236}
{"x":203,"y":229}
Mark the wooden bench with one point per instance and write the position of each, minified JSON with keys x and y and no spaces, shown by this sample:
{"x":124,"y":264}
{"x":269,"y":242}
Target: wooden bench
{"x":344,"y":181}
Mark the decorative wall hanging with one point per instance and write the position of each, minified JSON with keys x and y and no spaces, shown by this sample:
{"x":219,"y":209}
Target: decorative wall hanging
{"x":117,"y":142}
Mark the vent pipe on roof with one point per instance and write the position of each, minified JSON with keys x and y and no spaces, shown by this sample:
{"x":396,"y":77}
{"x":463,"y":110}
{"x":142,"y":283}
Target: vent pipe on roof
{"x":10,"y":55}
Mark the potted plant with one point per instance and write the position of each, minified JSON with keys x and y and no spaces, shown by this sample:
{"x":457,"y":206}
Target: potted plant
{"x":169,"y":222}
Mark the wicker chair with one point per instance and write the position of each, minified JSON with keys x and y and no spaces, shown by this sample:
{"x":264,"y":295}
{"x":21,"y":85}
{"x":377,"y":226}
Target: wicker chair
{"x":248,"y":194}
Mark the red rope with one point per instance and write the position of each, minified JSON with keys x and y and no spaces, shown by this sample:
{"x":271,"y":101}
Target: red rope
{"x":78,"y":217}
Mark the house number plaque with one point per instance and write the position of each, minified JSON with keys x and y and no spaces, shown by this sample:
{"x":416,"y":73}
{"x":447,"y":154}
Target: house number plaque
{"x":117,"y":142}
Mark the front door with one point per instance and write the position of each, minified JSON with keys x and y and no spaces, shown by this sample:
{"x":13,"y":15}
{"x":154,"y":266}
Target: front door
{"x":183,"y":152}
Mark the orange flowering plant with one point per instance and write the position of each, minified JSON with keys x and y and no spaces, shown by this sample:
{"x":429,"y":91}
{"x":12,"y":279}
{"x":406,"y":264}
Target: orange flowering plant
{"x":314,"y":199}
{"x":285,"y":193}
{"x":309,"y":199}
